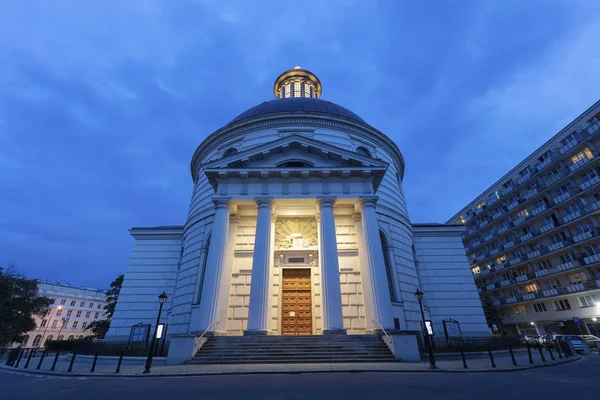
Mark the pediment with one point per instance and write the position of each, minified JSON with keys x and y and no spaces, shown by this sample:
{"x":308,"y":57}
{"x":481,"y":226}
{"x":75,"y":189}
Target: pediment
{"x":315,"y":153}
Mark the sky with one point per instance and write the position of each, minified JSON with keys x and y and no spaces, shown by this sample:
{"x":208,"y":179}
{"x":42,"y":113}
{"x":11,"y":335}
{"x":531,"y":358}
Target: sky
{"x":102,"y":103}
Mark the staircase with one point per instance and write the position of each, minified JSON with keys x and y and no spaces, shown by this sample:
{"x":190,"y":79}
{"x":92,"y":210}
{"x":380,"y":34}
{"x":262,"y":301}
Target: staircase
{"x":293,"y":350}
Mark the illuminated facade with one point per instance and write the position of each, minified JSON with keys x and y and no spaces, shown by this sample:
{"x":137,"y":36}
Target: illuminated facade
{"x":71,"y":311}
{"x":533,"y":238}
{"x":297,"y":225}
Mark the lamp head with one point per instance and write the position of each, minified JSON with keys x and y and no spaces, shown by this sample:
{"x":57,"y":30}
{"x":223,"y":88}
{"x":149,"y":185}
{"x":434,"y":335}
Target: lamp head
{"x":162,"y":298}
{"x":418,"y":295}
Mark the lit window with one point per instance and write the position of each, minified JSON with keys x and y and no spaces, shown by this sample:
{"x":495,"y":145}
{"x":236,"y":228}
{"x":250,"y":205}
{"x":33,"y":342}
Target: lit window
{"x":523,"y":213}
{"x":476,"y":270}
{"x":306,"y":90}
{"x":531,"y":288}
{"x":586,"y":153}
{"x":520,"y":310}
{"x":501,"y":260}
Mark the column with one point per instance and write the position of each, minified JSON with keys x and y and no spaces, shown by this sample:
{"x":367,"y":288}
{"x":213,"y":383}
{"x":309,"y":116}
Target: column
{"x":214,"y":266}
{"x":225,"y":287}
{"x":333,"y":322}
{"x":258,"y":312}
{"x":382,"y":303}
{"x":365,"y":275}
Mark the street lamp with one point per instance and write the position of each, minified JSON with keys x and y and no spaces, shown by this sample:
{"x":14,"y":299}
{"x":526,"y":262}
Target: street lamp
{"x":65,"y":320}
{"x":161,"y":299}
{"x":48,"y":323}
{"x":419,"y":296}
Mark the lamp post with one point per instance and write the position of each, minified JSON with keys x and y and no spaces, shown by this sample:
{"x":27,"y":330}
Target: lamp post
{"x":419,"y":296}
{"x":65,"y":320}
{"x":48,"y":324}
{"x":161,"y":299}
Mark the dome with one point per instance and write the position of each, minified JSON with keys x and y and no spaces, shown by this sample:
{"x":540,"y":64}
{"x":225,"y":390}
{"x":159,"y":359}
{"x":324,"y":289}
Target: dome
{"x":299,"y":105}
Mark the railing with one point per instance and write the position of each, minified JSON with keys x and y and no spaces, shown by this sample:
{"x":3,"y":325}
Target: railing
{"x":215,"y":323}
{"x":469,"y":344}
{"x":383,"y":330}
{"x":110,"y":348}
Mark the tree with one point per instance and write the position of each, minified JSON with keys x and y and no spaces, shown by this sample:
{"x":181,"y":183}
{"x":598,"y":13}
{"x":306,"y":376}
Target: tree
{"x":100,"y":327}
{"x":492,"y":313}
{"x":19,"y":303}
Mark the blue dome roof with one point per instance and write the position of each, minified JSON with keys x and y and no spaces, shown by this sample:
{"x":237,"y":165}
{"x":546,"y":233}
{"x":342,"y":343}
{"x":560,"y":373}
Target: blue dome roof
{"x":298,"y":104}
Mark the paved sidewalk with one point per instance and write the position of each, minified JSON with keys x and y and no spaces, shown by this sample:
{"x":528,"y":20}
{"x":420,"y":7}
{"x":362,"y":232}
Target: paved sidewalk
{"x":82,"y":367}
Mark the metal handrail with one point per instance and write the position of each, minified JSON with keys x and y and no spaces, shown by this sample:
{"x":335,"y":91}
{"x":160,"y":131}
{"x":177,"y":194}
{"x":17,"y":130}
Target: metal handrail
{"x":215,"y":323}
{"x":384,"y":332}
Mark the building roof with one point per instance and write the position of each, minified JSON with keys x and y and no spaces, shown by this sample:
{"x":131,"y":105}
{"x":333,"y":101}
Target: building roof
{"x":299,"y":105}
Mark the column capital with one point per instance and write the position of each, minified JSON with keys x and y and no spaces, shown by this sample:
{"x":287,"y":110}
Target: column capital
{"x":326,"y":201}
{"x":367,"y":201}
{"x":264,"y":201}
{"x":223,"y":202}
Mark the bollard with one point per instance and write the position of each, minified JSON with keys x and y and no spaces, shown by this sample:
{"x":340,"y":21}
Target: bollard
{"x":539,"y":346}
{"x":558,"y":350}
{"x":19,"y":359}
{"x":28,"y":360}
{"x":94,"y":363}
{"x":119,"y":363}
{"x":55,"y":360}
{"x":491,"y":357}
{"x":72,"y":361}
{"x":512,"y":356}
{"x":550,"y":352}
{"x":529,"y":353}
{"x":464,"y":360}
{"x":41,"y":359}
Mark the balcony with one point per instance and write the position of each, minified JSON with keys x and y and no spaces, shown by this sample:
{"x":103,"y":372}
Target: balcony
{"x":506,"y":282}
{"x":550,"y":292}
{"x":513,"y":204}
{"x":547,"y":227}
{"x":539,"y":209}
{"x":496,"y":302}
{"x":506,"y":190}
{"x":478,"y":210}
{"x":474,"y":244}
{"x":525,"y":238}
{"x":541,"y":272}
{"x":493,"y":252}
{"x":534,"y":254}
{"x":572,"y":216}
{"x":512,"y":299}
{"x":523,"y":178}
{"x":498,"y":214}
{"x":589,"y":183}
{"x":579,"y":164}
{"x":567,"y":146}
{"x":575,"y":287}
{"x":542,"y":165}
{"x":491,"y":286}
{"x":591,"y":259}
{"x":521,"y":219}
{"x":483,"y":223}
{"x":521,"y":278}
{"x":557,"y":245}
{"x":515,"y":261}
{"x":508,"y":244}
{"x":584,"y":236}
{"x":492,"y":200}
{"x":503,"y":229}
{"x":567,"y":266}
{"x":485,"y":272}
{"x":561,"y":198}
{"x":530,"y":296}
{"x":499,"y":267}
{"x":530,"y":194}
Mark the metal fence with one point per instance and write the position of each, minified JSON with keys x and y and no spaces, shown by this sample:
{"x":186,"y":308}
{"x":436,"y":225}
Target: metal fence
{"x":110,"y":348}
{"x":470,"y":344}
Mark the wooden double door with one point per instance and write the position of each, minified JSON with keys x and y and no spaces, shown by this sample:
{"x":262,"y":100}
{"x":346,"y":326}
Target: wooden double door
{"x":296,"y":318}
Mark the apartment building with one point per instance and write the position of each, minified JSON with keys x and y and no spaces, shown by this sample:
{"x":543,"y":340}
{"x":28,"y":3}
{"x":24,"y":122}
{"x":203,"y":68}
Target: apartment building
{"x":72,"y":310}
{"x":533,"y":238}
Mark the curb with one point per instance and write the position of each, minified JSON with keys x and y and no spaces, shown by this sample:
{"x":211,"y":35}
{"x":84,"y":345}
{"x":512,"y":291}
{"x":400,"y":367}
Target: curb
{"x":287,"y":372}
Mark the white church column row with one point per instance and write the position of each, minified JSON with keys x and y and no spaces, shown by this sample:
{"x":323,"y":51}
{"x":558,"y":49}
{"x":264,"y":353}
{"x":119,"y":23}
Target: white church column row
{"x":214,"y":266}
{"x":258,"y":315}
{"x":382,"y":303}
{"x":333,"y":321}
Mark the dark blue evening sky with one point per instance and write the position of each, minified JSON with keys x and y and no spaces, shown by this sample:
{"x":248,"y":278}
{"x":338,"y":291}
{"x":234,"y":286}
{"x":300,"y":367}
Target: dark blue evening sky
{"x":102,"y":103}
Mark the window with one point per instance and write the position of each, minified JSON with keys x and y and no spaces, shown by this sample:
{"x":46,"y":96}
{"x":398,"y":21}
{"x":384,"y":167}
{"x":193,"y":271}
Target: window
{"x":50,"y":337}
{"x":524,"y":171}
{"x":562,"y":305}
{"x":501,"y":260}
{"x":573,"y":208}
{"x":567,"y":257}
{"x":78,"y":314}
{"x":58,"y":313}
{"x":593,"y":249}
{"x":481,"y":205}
{"x":43,"y":323}
{"x":36,"y":341}
{"x":544,"y":264}
{"x":62,"y":302}
{"x":578,"y":277}
{"x":554,"y":284}
{"x":69,"y":312}
{"x":80,"y":337}
{"x":388,"y":265}
{"x":539,"y":307}
{"x":562,"y":190}
{"x":96,"y":315}
{"x":82,"y":304}
{"x":83,"y":325}
{"x":54,"y":323}
{"x":588,"y":176}
{"x":531,"y":288}
{"x":75,"y":324}
{"x":544,"y":157}
{"x":508,"y":184}
{"x":73,"y":303}
{"x":71,"y":337}
{"x":519,"y":310}
{"x":363,"y":151}
{"x":92,"y":304}
{"x":523,"y":213}
{"x":586,"y":153}
{"x":60,"y":337}
{"x":583,"y":228}
{"x":559,"y":237}
{"x":588,"y":301}
{"x":87,"y":314}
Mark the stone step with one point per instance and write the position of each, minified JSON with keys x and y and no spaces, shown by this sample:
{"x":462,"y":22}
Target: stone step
{"x":298,"y":352}
{"x":269,"y":360}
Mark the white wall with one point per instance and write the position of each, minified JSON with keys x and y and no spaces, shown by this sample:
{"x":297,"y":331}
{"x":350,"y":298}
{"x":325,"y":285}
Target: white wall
{"x":446,"y":279}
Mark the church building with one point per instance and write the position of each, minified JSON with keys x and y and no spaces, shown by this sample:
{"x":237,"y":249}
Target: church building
{"x":297,"y":226}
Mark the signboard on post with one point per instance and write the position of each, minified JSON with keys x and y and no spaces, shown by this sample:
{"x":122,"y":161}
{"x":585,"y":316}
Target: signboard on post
{"x":452,"y":328}
{"x":429,"y":328}
{"x":577,"y":320}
